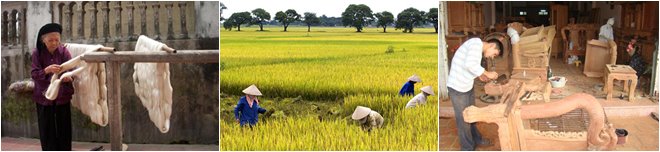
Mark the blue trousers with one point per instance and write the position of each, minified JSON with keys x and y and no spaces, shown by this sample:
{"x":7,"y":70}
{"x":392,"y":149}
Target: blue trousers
{"x":468,"y":134}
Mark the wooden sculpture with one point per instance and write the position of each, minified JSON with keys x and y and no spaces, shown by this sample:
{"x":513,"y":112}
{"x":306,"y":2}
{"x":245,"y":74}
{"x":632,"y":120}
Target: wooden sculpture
{"x":535,"y":84}
{"x":514,"y":122}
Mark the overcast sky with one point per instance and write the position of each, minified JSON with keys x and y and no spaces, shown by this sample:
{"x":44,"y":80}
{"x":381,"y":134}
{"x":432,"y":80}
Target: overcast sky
{"x":328,"y":7}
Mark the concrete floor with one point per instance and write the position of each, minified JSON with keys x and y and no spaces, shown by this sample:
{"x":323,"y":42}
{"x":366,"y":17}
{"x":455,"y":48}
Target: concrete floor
{"x":31,"y":144}
{"x":633,"y":116}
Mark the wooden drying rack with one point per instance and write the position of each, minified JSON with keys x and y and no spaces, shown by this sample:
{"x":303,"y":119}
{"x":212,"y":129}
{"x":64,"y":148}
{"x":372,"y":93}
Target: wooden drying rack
{"x":113,"y":60}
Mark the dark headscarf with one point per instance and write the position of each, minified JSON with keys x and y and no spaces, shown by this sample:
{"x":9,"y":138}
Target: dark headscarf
{"x":48,"y":28}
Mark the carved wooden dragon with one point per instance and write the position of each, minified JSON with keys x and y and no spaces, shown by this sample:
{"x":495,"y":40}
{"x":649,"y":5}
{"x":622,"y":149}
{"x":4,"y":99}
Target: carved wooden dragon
{"x":510,"y":116}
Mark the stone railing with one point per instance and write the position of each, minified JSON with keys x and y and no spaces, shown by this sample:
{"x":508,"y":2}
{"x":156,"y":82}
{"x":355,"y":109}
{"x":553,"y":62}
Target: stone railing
{"x":13,"y":24}
{"x":104,"y":22}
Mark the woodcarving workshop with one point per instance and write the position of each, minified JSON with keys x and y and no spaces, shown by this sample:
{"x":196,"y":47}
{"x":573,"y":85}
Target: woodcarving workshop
{"x":548,"y":75}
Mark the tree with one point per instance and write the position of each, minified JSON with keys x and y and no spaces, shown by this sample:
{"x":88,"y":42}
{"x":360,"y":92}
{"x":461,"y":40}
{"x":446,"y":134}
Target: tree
{"x":432,"y":16}
{"x":357,"y":16}
{"x":260,"y":16}
{"x":239,"y":18}
{"x":222,"y":7}
{"x":228,"y":25}
{"x":329,"y":21}
{"x":323,"y":20}
{"x":311,"y":19}
{"x":287,"y":17}
{"x":408,"y":19}
{"x":383,"y":19}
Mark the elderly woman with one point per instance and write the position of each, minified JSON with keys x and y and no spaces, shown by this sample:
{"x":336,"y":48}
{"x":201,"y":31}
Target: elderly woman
{"x":54,"y":116}
{"x":247,"y":111}
{"x":367,"y":118}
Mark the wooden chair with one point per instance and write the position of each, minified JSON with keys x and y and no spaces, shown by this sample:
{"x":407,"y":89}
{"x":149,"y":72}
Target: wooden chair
{"x":532,"y":52}
{"x":519,"y":127}
{"x":577,"y":36}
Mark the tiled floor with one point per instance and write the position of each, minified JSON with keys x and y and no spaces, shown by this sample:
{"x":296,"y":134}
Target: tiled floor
{"x":30,"y":144}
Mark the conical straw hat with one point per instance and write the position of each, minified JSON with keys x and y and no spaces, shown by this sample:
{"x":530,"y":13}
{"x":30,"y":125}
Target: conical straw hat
{"x":252,"y":90}
{"x":428,"y":90}
{"x":360,"y":112}
{"x":415,"y":78}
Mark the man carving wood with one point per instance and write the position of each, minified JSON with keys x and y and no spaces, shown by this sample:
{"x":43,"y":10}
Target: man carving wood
{"x":465,"y":67}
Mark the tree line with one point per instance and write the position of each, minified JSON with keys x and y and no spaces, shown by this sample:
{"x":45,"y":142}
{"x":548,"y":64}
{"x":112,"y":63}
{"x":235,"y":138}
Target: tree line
{"x":355,"y":15}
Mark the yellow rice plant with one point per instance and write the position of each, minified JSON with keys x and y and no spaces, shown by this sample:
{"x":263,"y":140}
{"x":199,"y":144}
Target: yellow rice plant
{"x":403,"y":129}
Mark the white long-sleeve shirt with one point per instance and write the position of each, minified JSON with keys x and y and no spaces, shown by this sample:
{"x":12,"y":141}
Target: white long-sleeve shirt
{"x":466,"y":65}
{"x":419,"y":99}
{"x":374,"y":119}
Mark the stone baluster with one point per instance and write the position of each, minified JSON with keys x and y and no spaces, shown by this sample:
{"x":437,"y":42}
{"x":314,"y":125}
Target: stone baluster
{"x":93,"y":28}
{"x":118,"y":21}
{"x":184,"y":30}
{"x":68,"y":11}
{"x":143,"y":18}
{"x":131,"y":21}
{"x":170,"y":31}
{"x":21,"y":26}
{"x":156,"y":8}
{"x":12,"y":28}
{"x":81,"y":23}
{"x":106,"y":21}
{"x":57,"y":17}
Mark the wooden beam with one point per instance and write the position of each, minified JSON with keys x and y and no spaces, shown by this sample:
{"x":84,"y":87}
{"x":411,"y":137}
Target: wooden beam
{"x":114,"y":100}
{"x":181,"y":56}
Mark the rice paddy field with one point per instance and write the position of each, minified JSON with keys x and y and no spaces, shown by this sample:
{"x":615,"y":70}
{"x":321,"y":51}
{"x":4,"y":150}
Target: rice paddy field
{"x":313,"y":81}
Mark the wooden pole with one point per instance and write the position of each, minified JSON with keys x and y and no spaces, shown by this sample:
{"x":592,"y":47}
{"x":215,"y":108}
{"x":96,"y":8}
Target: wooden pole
{"x":443,"y":66}
{"x":114,"y":99}
{"x":107,"y":49}
{"x":182,"y":56}
{"x":169,"y":49}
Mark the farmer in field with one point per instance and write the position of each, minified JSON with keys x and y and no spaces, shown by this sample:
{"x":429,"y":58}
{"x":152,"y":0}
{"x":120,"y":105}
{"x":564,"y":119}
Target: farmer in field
{"x":420,"y":99}
{"x":247,"y":111}
{"x":465,"y":67}
{"x":367,"y":118}
{"x":54,"y":116}
{"x":408,"y":88}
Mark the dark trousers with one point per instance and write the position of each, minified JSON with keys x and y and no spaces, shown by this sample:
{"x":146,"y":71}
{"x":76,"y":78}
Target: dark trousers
{"x":468,"y":134}
{"x":55,"y":127}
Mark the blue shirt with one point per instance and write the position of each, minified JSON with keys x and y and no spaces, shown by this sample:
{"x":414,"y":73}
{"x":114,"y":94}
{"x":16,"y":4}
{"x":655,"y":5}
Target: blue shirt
{"x":407,"y":89}
{"x":246,"y":114}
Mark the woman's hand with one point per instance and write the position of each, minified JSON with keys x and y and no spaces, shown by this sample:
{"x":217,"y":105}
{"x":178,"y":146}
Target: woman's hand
{"x":53,"y":68}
